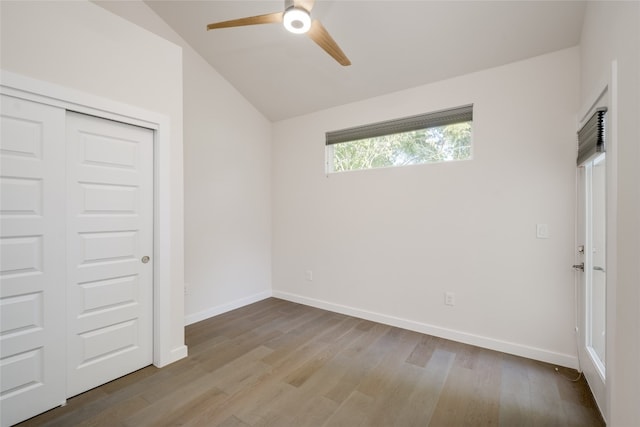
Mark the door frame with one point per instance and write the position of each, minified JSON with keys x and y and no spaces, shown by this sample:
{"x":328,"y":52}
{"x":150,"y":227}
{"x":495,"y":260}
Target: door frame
{"x":608,"y":86}
{"x":70,"y":99}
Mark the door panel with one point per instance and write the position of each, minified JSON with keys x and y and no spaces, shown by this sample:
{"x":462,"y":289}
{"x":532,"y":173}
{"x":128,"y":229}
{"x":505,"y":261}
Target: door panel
{"x":598,"y":261}
{"x":32,"y":259}
{"x":591,"y":222}
{"x":109,"y":229}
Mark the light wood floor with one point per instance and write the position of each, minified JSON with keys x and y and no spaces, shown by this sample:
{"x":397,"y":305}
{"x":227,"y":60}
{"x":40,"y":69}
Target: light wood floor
{"x":283,"y":364}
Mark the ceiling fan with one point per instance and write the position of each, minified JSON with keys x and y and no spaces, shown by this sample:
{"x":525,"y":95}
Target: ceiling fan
{"x":296,"y":19}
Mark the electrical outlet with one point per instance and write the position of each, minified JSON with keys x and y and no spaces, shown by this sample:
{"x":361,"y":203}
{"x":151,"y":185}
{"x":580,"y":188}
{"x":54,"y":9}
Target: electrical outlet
{"x":186,"y":289}
{"x":308,"y":275}
{"x":449,"y":298}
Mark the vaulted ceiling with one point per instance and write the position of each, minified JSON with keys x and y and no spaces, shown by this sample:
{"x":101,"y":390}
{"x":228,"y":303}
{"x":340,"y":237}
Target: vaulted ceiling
{"x":393,"y":45}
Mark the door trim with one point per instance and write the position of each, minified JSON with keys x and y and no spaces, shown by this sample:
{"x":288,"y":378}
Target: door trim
{"x":168,"y":299}
{"x":608,"y":85}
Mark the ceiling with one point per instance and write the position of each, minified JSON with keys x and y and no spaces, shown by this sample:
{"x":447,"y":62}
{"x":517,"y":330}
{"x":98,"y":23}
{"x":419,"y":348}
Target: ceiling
{"x":393,"y":45}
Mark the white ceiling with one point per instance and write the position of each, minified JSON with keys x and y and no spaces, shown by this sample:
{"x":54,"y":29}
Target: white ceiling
{"x":393,"y":45}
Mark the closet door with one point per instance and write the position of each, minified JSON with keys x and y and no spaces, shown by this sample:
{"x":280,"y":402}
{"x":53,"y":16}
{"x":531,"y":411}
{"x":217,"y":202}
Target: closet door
{"x":110,"y":244}
{"x":32,"y":259}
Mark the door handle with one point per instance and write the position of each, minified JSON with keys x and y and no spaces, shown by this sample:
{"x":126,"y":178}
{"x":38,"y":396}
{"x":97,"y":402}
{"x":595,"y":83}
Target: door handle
{"x":145,"y":259}
{"x":579,"y":266}
{"x":596,"y":268}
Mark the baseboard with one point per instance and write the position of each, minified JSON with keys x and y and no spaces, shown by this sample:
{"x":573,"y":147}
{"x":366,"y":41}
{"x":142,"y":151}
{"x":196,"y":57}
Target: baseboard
{"x":559,"y":359}
{"x":174,"y":355}
{"x":223,"y":308}
{"x":178,"y":353}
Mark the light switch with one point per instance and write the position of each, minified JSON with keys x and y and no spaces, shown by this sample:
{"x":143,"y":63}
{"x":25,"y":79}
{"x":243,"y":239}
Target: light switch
{"x":542,"y":231}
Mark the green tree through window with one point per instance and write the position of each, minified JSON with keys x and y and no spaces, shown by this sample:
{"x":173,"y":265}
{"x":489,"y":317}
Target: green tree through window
{"x":431,"y":145}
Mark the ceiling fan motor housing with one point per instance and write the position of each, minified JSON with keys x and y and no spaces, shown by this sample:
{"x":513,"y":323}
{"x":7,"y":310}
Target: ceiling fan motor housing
{"x":297,"y":20}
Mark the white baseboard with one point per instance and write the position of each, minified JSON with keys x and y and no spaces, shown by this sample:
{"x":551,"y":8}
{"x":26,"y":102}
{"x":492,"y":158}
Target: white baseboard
{"x":554,"y":358}
{"x":223,"y":308}
{"x":174,"y":355}
{"x":179,"y":353}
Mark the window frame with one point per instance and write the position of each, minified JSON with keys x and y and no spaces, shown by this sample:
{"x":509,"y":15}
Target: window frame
{"x":440,"y":118}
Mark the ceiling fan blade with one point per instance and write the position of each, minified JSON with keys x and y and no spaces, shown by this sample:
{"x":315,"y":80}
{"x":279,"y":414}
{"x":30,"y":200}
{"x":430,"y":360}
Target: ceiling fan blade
{"x":270,"y":18}
{"x":305,"y":4}
{"x":321,"y":36}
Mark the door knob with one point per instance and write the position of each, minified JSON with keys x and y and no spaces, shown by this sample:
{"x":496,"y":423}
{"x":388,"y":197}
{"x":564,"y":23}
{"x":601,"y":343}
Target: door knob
{"x":579,"y":266}
{"x":145,"y":259}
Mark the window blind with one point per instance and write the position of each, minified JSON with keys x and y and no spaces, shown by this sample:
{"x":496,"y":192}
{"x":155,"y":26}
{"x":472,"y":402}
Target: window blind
{"x":406,"y":124}
{"x":591,"y":138}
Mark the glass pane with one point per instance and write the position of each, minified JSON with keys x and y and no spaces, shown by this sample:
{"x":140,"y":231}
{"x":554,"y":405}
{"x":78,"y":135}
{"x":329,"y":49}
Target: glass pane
{"x":597,"y":264}
{"x":431,"y":145}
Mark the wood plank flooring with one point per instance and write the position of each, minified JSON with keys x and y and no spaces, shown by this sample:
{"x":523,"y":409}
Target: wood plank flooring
{"x":277,"y":363}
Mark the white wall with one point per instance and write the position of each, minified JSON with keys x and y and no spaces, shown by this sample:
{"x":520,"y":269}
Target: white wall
{"x":386,"y":244}
{"x":227,"y":183}
{"x":611,"y":31}
{"x":227,"y":195}
{"x":80,"y":46}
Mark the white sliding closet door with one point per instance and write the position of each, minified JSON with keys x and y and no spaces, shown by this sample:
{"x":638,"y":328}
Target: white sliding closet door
{"x":110,"y":242}
{"x":32,"y":259}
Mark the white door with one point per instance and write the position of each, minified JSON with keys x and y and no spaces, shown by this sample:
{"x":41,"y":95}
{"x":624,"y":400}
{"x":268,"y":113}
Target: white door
{"x":109,"y":234}
{"x":592,"y":278}
{"x":32,"y":259}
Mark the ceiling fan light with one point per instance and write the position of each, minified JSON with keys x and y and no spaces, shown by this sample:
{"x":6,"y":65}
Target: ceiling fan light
{"x":297,"y":20}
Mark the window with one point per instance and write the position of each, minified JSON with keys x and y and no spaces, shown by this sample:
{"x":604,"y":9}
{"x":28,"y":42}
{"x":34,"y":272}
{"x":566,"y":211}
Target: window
{"x":440,"y":136}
